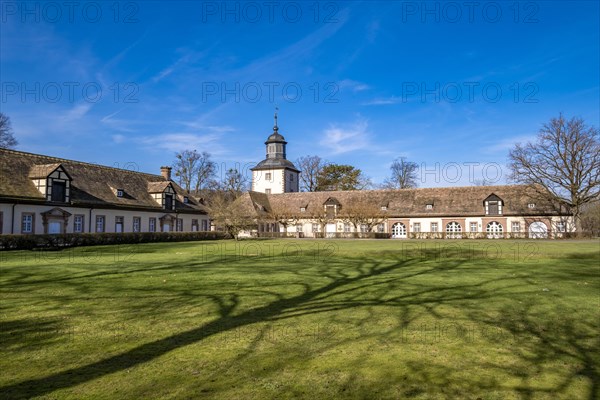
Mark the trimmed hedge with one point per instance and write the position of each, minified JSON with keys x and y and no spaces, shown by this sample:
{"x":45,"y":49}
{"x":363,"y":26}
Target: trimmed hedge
{"x":29,"y":242}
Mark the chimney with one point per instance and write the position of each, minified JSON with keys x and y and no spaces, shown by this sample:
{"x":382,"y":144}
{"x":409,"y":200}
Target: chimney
{"x":166,"y":172}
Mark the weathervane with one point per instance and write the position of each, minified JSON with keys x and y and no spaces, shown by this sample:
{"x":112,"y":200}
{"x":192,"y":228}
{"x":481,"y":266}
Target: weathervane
{"x":276,"y":127}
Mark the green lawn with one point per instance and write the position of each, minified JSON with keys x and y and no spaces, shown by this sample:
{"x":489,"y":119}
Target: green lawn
{"x":304,"y":318}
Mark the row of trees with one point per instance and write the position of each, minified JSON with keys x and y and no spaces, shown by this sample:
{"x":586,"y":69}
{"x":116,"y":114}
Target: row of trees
{"x":319,"y":175}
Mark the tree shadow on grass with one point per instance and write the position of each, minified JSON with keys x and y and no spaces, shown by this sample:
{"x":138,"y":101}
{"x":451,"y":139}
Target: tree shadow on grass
{"x":353,"y":283}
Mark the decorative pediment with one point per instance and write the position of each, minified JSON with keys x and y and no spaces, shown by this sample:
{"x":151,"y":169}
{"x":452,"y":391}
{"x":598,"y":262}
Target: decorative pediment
{"x":56,"y":212}
{"x":332,"y":201}
{"x":492,"y":197}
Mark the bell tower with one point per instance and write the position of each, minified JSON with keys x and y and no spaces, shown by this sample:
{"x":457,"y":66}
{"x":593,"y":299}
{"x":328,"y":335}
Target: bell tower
{"x":275,"y":174}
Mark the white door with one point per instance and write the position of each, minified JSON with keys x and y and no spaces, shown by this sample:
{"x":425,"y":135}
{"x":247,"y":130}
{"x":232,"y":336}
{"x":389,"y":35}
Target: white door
{"x":398,"y":231}
{"x":538,"y":230}
{"x":330,"y":230}
{"x":54,"y":228}
{"x":166,"y":228}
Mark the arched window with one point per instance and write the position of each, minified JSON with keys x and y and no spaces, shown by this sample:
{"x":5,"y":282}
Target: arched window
{"x":494,"y":230}
{"x":398,"y":231}
{"x":453,"y":230}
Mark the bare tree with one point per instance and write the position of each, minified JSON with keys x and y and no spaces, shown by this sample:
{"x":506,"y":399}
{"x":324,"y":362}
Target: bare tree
{"x":228,"y":213}
{"x":186,"y":167}
{"x":7,"y":138}
{"x":562,"y":165}
{"x":310,"y":168}
{"x":233,"y":183}
{"x":363,"y":211}
{"x":194,"y":170}
{"x":404,"y":175}
{"x":205,"y":171}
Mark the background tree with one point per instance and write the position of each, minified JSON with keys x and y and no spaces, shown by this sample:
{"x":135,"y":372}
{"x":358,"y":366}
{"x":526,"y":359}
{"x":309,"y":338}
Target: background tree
{"x":563,"y":164}
{"x":229,"y":213}
{"x":363,"y":211}
{"x":194,"y":170}
{"x":185,"y":167}
{"x":310,"y":168}
{"x":205,"y":171}
{"x":234,"y":183}
{"x":404,"y":175}
{"x":7,"y":139}
{"x":341,"y":177}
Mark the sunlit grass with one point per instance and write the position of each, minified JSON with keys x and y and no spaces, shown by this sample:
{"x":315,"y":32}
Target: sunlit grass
{"x":303,"y":319}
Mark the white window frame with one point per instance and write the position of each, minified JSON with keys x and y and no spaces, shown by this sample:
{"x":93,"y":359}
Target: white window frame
{"x":434,"y":227}
{"x":100,"y":222}
{"x":78,"y":221}
{"x":152,"y":224}
{"x":137,"y":224}
{"x":27,"y":223}
{"x":416,"y":227}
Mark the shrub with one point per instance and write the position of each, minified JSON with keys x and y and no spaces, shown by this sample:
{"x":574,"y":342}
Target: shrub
{"x":29,"y":242}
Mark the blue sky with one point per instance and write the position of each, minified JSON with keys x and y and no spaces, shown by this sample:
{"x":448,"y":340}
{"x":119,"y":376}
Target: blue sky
{"x":448,"y":85}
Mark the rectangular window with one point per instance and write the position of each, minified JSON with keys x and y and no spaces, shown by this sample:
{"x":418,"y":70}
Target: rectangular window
{"x":434,"y":227}
{"x":429,"y":207}
{"x":27,"y":223}
{"x":137,"y":222}
{"x":302,"y":209}
{"x":168,"y":201}
{"x":316,"y":227}
{"x":179,"y":225}
{"x":186,"y":200}
{"x":299,"y":228}
{"x":291,"y":177}
{"x":120,"y":193}
{"x":561,"y":227}
{"x":152,"y":225}
{"x":204,"y":225}
{"x":268,"y":191}
{"x":119,"y":224}
{"x":516,"y":227}
{"x":100,"y":223}
{"x":473,"y":226}
{"x":383,"y":208}
{"x":346,"y":227}
{"x":78,"y":224}
{"x":531,"y":205}
{"x":364,"y":228}
{"x":59,"y":190}
{"x":381,"y":228}
{"x":417,"y":227}
{"x":493,"y":208}
{"x":330,"y":210}
{"x":268,"y":176}
{"x":194,"y":225}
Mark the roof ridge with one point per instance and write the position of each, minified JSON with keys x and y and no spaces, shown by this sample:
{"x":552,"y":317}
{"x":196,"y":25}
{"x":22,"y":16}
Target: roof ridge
{"x":407,"y":189}
{"x":61,"y":160}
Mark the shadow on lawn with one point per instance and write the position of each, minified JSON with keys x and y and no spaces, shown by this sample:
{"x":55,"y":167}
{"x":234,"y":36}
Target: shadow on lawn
{"x":367,"y":283}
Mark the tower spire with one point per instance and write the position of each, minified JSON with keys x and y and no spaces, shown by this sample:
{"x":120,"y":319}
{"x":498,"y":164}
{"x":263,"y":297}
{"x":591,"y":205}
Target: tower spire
{"x":275,"y":127}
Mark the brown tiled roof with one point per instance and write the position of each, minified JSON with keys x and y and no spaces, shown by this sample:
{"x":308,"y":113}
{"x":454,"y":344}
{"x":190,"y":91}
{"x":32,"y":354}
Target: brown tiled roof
{"x":449,"y":201}
{"x":91,"y":185}
{"x":42,"y":171}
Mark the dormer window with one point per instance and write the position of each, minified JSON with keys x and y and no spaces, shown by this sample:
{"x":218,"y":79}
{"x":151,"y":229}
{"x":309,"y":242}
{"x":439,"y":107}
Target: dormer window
{"x":52,"y":181}
{"x":59,"y":191}
{"x":429,"y":207}
{"x":302,"y":209}
{"x":383,"y":208}
{"x":168,"y":201}
{"x":120,"y":192}
{"x":186,"y":200}
{"x":163,"y":193}
{"x":531,"y":205}
{"x":493,"y":205}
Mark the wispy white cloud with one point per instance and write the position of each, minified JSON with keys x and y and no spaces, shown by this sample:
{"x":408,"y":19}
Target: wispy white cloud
{"x":355,"y":86}
{"x":178,"y":141}
{"x":383,"y":101}
{"x":346,"y":138}
{"x":504,"y":145}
